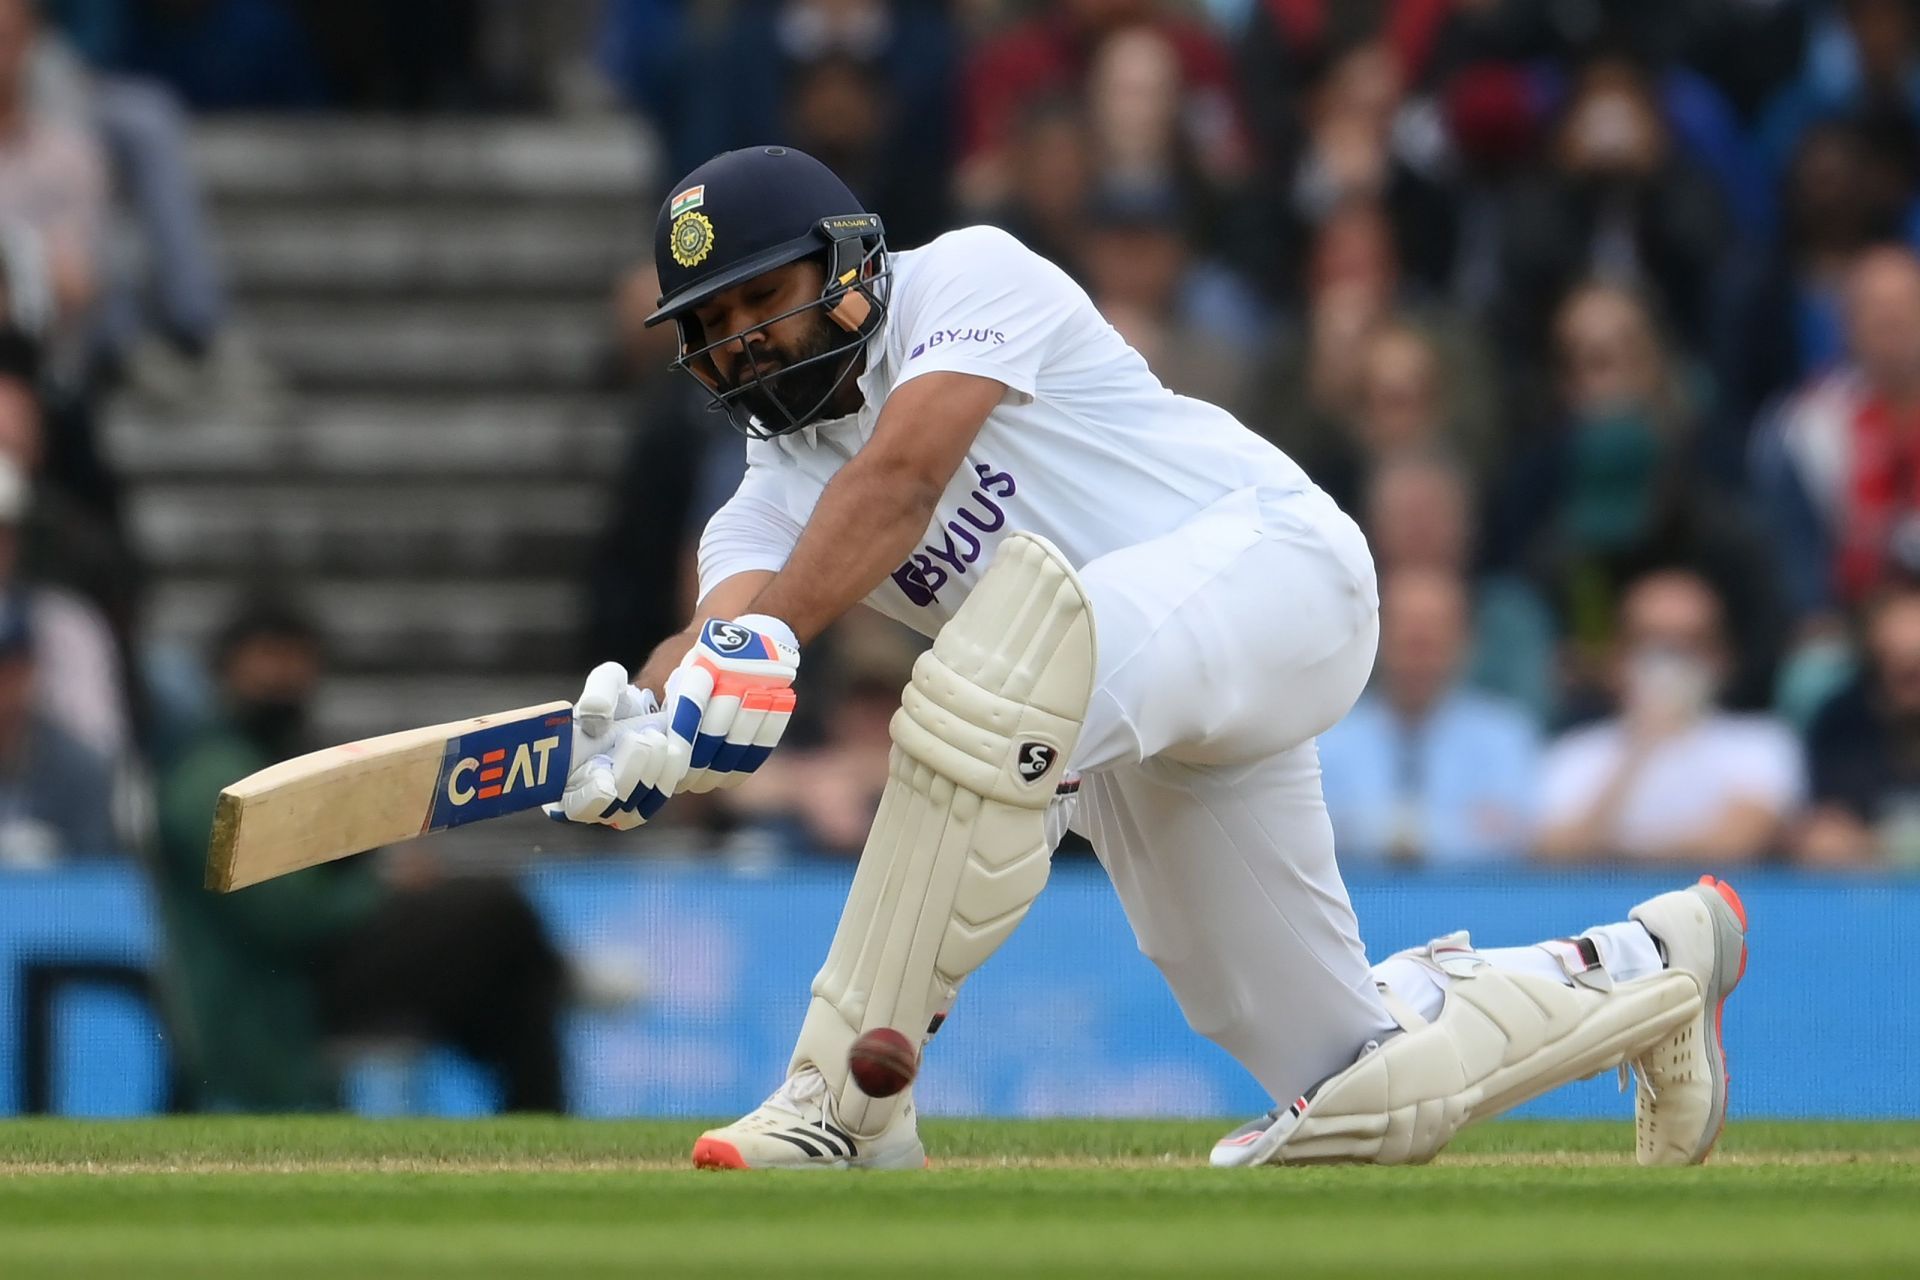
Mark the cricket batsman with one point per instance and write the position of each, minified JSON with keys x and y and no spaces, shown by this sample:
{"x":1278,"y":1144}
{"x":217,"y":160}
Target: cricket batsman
{"x":1142,"y":615}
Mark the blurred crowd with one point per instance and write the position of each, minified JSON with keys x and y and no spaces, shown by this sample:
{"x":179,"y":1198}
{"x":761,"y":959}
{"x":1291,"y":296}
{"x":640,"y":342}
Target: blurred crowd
{"x":1602,"y":317}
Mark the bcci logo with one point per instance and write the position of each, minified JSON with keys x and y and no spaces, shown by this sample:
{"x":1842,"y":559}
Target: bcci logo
{"x":692,"y":238}
{"x":1034,"y":760}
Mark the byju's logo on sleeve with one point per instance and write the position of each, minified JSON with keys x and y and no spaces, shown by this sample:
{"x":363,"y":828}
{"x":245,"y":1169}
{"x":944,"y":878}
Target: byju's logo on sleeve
{"x":948,"y":337}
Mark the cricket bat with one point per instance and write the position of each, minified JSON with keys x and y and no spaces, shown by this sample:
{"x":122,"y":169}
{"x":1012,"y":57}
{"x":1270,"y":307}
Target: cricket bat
{"x":349,"y":799}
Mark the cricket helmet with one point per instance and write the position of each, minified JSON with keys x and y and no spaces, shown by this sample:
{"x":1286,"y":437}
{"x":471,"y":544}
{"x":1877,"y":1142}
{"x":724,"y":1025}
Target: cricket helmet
{"x":744,"y":213}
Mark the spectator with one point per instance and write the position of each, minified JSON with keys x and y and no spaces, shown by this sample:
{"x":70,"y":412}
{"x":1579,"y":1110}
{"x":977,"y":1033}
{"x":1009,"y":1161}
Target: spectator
{"x":143,"y":131}
{"x":1838,"y":464}
{"x":1672,"y":776}
{"x":839,"y":110}
{"x":52,"y":178}
{"x":65,"y":567}
{"x":1617,"y":202}
{"x":1784,"y":318}
{"x":1050,"y":55}
{"x":1418,"y":515}
{"x":267,"y":976}
{"x":1424,"y":769}
{"x":1372,"y":369}
{"x":1050,"y":161}
{"x":1861,"y":56}
{"x":1864,"y":749}
{"x":1613,"y":491}
{"x":667,"y":59}
{"x":1198,"y":328}
{"x":1494,"y":119}
{"x":46,"y":772}
{"x":1365,"y":144}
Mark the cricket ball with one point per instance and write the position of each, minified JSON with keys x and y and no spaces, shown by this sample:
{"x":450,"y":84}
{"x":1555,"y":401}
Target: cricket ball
{"x":883,"y":1062}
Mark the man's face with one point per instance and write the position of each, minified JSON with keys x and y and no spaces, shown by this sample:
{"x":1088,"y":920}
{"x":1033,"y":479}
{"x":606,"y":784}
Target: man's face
{"x":1894,"y":639}
{"x":269,"y":682}
{"x":1883,"y":318}
{"x":1672,"y":644}
{"x":1136,"y":266}
{"x":1607,"y":359}
{"x":1882,"y":37}
{"x":1417,"y":518}
{"x":759,"y":345}
{"x":1399,"y":391}
{"x":1423,"y":636}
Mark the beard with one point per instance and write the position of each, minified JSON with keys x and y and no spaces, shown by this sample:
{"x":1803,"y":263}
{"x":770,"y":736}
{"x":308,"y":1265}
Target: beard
{"x":781,"y":389}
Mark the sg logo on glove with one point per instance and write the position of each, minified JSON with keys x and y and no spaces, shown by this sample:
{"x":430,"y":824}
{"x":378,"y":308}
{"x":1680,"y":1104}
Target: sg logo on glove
{"x":728,"y":638}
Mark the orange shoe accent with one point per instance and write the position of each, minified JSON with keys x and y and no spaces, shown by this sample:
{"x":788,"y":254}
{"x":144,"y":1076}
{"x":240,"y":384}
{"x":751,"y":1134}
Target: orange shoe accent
{"x":711,"y":1153}
{"x":1732,"y":899}
{"x":1725,"y":890}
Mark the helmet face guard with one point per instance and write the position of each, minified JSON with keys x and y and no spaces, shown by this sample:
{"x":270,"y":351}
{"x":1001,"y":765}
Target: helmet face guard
{"x":854,"y":297}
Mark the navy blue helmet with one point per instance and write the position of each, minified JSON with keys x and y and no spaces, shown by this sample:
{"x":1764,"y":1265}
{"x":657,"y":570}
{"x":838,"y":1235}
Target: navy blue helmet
{"x":744,"y":213}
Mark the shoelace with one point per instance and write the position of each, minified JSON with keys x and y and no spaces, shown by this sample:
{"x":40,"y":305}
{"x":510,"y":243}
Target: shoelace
{"x":798,"y":1089}
{"x":1636,"y":1069}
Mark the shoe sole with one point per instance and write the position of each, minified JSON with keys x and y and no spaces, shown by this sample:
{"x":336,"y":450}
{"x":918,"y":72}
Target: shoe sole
{"x":1729,"y":966}
{"x":713,"y":1153}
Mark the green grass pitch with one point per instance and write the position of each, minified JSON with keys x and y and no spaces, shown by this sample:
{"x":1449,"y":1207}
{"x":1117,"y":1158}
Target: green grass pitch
{"x":291,"y":1198}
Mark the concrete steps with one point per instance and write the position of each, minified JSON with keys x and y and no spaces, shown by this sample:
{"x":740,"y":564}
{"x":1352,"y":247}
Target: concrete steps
{"x":377,"y":436}
{"x":436,"y":297}
{"x":310,"y":162}
{"x":553,"y":249}
{"x":442,"y":344}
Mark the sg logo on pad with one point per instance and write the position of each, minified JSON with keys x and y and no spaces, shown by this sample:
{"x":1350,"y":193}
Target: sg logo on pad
{"x":1034,"y":761}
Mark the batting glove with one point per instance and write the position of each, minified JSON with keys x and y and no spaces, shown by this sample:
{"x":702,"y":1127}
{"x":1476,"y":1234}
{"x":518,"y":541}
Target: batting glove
{"x":619,"y":749}
{"x":728,"y":702}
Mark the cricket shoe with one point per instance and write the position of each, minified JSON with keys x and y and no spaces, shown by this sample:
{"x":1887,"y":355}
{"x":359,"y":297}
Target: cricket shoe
{"x":1681,"y":1103}
{"x":1255,"y":1141}
{"x":1259,"y":1140}
{"x":796,"y":1129}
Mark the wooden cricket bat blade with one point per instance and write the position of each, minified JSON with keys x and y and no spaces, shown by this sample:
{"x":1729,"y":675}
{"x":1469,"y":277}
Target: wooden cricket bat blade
{"x":361,"y":795}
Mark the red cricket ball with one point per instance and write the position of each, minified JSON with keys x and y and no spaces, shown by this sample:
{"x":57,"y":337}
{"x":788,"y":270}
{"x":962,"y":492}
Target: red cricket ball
{"x":883,"y":1062}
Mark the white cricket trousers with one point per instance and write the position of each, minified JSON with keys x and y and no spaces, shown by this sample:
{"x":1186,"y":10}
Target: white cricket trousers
{"x":1225,"y":648}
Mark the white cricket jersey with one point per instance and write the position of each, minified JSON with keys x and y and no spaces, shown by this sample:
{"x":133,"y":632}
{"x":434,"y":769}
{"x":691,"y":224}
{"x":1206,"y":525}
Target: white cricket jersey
{"x":1086,"y":448}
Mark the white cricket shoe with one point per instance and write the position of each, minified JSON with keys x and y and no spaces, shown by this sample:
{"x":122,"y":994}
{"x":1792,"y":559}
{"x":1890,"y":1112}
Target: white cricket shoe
{"x":1681,"y":1104}
{"x":796,"y":1129}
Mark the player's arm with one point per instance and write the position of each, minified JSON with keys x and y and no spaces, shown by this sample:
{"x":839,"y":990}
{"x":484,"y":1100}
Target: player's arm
{"x":726,"y":694}
{"x":877,"y":507}
{"x":729,"y":598}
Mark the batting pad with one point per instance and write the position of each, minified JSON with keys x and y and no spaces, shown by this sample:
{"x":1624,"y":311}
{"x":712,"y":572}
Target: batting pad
{"x":958,"y":850}
{"x":1501,"y":1039}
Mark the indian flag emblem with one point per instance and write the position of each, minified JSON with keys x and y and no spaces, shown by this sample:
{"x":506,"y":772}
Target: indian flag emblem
{"x":691,"y":198}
